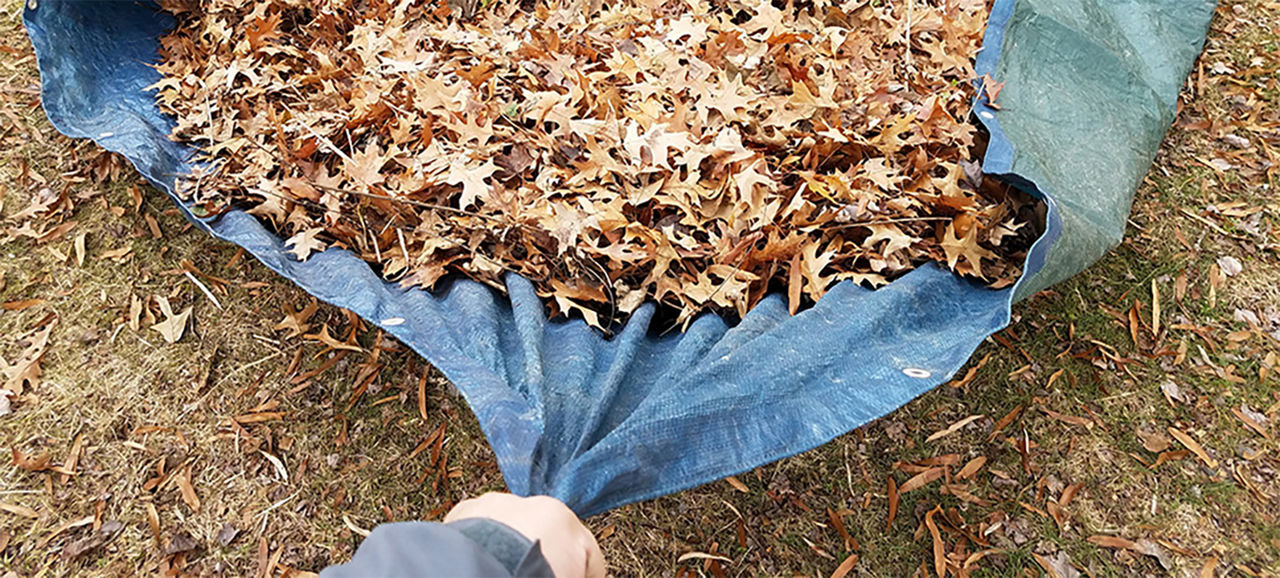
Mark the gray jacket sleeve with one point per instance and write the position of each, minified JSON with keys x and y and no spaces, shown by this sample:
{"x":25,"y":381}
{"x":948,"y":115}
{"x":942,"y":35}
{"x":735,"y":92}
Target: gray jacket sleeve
{"x":475,"y":547}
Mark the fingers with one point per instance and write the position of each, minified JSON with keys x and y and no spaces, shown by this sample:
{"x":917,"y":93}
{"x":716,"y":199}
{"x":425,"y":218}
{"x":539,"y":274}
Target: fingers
{"x":567,"y":545}
{"x":595,"y":557}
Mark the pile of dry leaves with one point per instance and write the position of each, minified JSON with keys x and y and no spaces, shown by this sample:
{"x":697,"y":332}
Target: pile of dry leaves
{"x":698,"y":154}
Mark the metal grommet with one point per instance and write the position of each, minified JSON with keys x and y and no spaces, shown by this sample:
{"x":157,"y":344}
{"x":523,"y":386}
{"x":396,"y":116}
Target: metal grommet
{"x":986,"y":114}
{"x":32,"y":4}
{"x":917,"y":373}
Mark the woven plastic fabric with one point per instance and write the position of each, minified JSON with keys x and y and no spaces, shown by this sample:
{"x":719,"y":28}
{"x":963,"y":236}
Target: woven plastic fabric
{"x":1090,"y":89}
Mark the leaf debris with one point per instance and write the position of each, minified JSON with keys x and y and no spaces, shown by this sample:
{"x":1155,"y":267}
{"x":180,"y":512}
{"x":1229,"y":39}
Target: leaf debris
{"x":700,"y":156}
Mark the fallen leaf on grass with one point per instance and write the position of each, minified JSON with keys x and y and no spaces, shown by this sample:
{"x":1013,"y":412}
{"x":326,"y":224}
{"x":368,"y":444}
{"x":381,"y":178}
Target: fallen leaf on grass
{"x":1230,"y":266}
{"x":85,"y":521}
{"x":939,"y":548}
{"x":1194,"y":446}
{"x":1069,"y":419}
{"x":173,"y":326}
{"x":1154,"y":550}
{"x":73,"y":458}
{"x":295,"y":322}
{"x":1004,"y":422}
{"x":1134,"y":323}
{"x":353,"y":527}
{"x":737,"y":484}
{"x":837,"y":522}
{"x":1209,"y":570}
{"x":921,"y":479}
{"x":1112,"y":542}
{"x":971,"y":374}
{"x":278,"y":465}
{"x":972,"y":467}
{"x":1172,"y":392}
{"x":26,"y":370}
{"x":153,"y":522}
{"x":116,"y":254}
{"x":1144,"y":546}
{"x":1170,"y":456}
{"x":1155,"y":310}
{"x":1069,"y":494}
{"x":893,"y":501}
{"x":31,"y":463}
{"x":1153,"y":442}
{"x":97,"y":539}
{"x":324,"y":337}
{"x":188,"y":491}
{"x":1059,"y":515}
{"x":249,"y":418}
{"x":1252,"y":420}
{"x":701,"y":556}
{"x":19,"y":510}
{"x":953,"y":428}
{"x":79,"y":249}
{"x":1058,"y":566}
{"x":20,"y":305}
{"x":845,"y":567}
{"x":264,"y":552}
{"x":180,"y":542}
{"x":227,"y":534}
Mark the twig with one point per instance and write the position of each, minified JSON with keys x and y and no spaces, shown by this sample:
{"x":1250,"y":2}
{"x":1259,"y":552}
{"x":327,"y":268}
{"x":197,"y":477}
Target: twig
{"x":888,"y":222}
{"x":247,"y":366}
{"x":203,"y":289}
{"x":908,"y":34}
{"x":321,"y":138}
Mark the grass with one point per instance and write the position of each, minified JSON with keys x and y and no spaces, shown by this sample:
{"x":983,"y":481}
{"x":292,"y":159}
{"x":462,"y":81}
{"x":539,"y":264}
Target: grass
{"x":1091,"y":398}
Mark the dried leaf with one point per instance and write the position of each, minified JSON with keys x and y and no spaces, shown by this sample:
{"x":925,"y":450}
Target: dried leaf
{"x":173,"y":326}
{"x":845,"y":567}
{"x":922,"y":479}
{"x":953,"y":428}
{"x":701,"y":556}
{"x":227,"y":534}
{"x":1230,"y":266}
{"x":305,"y":243}
{"x":1194,"y":446}
{"x":939,"y":548}
{"x":20,"y":305}
{"x":426,"y":155}
{"x":1058,"y":566}
{"x":188,"y":491}
{"x":178,"y":543}
{"x":19,"y":510}
{"x":93,"y":541}
{"x":1112,"y":542}
{"x":893,"y":502}
{"x":73,"y":459}
{"x":57,"y":531}
{"x":1153,"y":442}
{"x":970,"y":469}
{"x":1005,"y":422}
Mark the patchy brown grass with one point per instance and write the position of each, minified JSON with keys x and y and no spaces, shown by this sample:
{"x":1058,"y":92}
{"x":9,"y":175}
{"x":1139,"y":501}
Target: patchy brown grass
{"x":1092,"y":401}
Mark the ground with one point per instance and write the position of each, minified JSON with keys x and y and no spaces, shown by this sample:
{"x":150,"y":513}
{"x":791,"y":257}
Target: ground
{"x":1098,"y":434}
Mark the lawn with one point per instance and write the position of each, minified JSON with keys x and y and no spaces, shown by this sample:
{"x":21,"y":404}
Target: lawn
{"x":1123,"y":425}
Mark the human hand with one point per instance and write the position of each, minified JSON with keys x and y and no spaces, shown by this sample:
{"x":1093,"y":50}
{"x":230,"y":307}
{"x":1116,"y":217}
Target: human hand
{"x":567,"y":545}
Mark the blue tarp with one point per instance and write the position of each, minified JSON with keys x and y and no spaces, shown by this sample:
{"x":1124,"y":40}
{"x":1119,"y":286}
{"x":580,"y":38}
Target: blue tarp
{"x":1091,"y":88}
